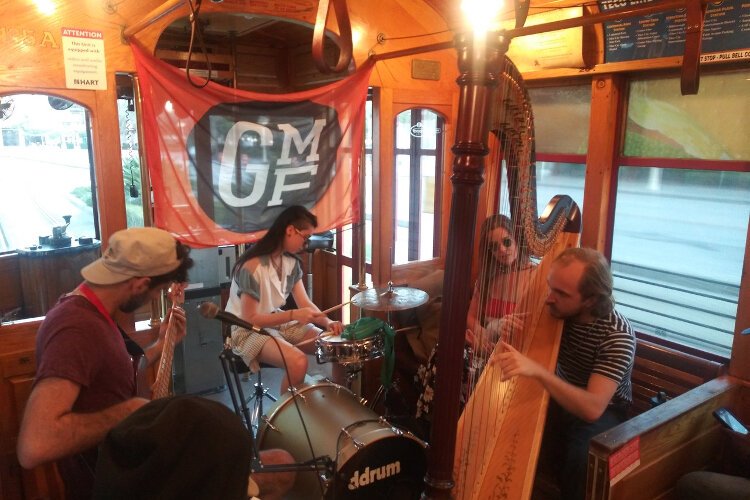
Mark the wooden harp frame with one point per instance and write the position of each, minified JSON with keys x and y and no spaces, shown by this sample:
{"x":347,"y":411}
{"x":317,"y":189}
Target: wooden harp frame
{"x":483,"y":68}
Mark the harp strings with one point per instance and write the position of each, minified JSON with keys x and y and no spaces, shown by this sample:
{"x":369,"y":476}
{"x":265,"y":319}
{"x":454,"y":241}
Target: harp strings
{"x":505,"y":290}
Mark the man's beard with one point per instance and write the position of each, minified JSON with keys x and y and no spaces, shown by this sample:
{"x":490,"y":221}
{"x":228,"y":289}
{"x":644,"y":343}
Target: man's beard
{"x":134,"y":302}
{"x":571,"y":315}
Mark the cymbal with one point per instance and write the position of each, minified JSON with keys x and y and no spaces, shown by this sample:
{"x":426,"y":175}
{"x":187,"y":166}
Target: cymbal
{"x":390,"y":298}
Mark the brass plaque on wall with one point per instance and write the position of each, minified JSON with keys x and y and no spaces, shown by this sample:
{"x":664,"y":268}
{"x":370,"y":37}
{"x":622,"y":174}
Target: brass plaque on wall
{"x":422,"y":69}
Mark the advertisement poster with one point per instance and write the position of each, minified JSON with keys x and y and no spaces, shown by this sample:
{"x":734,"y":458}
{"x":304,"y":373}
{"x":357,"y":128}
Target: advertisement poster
{"x":726,"y":32}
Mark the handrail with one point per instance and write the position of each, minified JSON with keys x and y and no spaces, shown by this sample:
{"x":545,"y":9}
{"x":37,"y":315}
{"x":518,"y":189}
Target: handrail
{"x":153,"y":16}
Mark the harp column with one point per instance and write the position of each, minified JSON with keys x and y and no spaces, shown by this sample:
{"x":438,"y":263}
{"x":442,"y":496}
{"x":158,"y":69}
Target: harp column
{"x":480,"y":60}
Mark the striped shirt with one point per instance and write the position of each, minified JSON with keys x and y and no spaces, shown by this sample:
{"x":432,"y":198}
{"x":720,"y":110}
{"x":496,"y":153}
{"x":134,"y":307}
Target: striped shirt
{"x":605,"y":347}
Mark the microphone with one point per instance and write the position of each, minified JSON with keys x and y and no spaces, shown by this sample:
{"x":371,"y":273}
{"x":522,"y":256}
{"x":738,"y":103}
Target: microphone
{"x":211,"y":311}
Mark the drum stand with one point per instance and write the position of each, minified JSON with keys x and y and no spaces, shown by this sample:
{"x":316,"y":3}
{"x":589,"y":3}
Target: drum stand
{"x":352,"y":371}
{"x":323,"y":464}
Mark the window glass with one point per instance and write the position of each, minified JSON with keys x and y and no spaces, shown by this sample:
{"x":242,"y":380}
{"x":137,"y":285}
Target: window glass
{"x":680,"y":230}
{"x":553,"y":178}
{"x":561,"y":118}
{"x":678,"y":247}
{"x":403,"y":185}
{"x":403,"y":130}
{"x":346,"y":241}
{"x":45,"y":170}
{"x":419,"y":140}
{"x":367,"y":216}
{"x":131,"y":165}
{"x":427,"y":208}
{"x":661,"y":123}
{"x":429,"y":130}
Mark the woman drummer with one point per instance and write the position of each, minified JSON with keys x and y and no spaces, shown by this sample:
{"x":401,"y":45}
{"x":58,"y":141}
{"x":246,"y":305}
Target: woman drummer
{"x":262,"y":280}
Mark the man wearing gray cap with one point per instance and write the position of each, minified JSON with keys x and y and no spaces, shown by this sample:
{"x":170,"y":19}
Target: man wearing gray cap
{"x":85,"y":381}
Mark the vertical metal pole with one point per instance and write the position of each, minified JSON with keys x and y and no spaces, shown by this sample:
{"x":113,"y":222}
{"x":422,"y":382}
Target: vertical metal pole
{"x":158,"y":306}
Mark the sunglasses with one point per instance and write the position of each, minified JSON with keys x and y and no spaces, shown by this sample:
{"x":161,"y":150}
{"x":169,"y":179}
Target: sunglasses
{"x":505,"y":242}
{"x":305,"y":237}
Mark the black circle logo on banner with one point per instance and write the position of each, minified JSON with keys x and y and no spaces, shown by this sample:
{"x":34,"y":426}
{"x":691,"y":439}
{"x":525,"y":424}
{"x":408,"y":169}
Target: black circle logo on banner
{"x":249,"y":160}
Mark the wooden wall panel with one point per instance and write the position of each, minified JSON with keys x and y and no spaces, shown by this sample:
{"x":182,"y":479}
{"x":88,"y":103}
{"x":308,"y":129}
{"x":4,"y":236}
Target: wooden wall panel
{"x":257,"y":69}
{"x":10,"y":292}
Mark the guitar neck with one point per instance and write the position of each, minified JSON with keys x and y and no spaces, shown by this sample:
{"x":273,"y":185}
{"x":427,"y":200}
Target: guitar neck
{"x":164,"y":373}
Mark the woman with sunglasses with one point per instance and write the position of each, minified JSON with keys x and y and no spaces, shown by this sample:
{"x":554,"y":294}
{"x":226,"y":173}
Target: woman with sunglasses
{"x":504,"y":274}
{"x":262,"y":280}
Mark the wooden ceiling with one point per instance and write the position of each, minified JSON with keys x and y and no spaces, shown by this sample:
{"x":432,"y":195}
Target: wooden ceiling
{"x":246,"y":29}
{"x":249,"y":29}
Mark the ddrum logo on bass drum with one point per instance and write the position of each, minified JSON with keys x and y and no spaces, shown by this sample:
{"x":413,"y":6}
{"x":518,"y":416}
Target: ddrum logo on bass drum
{"x":370,"y":476}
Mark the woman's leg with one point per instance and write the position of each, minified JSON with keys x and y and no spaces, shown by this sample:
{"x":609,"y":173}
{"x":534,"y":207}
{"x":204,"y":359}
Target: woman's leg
{"x":279,"y":352}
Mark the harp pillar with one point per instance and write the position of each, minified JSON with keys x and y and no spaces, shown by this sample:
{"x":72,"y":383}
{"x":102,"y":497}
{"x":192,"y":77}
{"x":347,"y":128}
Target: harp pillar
{"x":480,"y":60}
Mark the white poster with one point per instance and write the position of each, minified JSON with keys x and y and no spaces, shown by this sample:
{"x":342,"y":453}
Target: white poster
{"x":83,"y":53}
{"x":553,"y":49}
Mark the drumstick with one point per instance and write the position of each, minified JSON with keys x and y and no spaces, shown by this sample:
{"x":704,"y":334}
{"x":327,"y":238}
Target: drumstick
{"x":406,"y":328}
{"x":310,"y":341}
{"x":331,"y":309}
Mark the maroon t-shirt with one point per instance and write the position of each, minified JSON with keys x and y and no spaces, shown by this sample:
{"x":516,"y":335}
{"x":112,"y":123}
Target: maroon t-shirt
{"x":77,"y":343}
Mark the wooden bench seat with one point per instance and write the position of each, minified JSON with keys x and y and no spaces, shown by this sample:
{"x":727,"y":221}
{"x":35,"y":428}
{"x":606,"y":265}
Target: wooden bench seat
{"x":644,"y":456}
{"x":662,"y":369}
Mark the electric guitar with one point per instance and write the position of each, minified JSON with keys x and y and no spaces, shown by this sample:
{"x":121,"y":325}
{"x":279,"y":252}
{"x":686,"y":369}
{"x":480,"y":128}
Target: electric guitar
{"x":160,"y":388}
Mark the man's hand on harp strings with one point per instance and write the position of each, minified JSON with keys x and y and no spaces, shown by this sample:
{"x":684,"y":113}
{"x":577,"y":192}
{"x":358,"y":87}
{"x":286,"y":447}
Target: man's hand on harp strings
{"x":512,"y":363}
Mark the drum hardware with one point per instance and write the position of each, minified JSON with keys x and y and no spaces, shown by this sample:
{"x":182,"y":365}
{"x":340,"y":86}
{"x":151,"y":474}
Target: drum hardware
{"x":371,"y":458}
{"x":268,"y":423}
{"x":233,"y":366}
{"x":357,"y":444}
{"x":349,"y":353}
{"x":319,"y":241}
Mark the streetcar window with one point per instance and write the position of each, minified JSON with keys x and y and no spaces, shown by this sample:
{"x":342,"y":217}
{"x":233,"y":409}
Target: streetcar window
{"x":682,"y":209}
{"x":418,"y":171}
{"x":45,"y":170}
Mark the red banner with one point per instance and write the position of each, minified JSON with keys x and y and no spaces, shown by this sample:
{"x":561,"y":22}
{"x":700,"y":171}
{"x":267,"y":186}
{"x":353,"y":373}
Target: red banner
{"x":224,"y":162}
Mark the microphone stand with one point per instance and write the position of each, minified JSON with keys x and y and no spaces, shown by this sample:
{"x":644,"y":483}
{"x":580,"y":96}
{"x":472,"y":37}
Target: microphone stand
{"x":317,"y":464}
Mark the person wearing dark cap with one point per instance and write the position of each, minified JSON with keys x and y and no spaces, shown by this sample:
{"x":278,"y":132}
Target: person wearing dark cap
{"x":85,"y":380}
{"x":184,"y":447}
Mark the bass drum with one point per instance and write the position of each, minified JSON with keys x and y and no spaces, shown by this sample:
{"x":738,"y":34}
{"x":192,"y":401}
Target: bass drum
{"x":373,"y":459}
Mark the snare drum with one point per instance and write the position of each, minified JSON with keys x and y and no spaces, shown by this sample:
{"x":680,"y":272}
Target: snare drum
{"x":341,"y":350}
{"x":373,"y":459}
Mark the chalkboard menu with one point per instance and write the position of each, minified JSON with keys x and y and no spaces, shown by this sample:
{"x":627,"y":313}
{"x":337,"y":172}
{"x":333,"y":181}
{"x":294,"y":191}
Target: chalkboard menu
{"x":726,"y":32}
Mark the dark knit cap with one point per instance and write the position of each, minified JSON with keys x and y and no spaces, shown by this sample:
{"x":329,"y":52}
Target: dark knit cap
{"x":179,"y":447}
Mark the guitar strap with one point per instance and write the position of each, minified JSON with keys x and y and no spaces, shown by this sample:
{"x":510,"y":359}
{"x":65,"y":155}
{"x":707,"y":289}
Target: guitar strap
{"x":131,"y":346}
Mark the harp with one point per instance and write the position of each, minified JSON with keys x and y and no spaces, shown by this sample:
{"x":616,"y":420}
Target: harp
{"x":496,"y":440}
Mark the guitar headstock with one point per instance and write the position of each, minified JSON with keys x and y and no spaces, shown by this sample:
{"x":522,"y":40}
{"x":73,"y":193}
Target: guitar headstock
{"x":176,"y":293}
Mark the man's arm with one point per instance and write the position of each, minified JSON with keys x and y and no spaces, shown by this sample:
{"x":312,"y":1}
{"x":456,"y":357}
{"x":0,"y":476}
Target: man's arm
{"x":586,"y":403}
{"x":50,"y":430}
